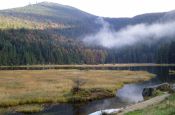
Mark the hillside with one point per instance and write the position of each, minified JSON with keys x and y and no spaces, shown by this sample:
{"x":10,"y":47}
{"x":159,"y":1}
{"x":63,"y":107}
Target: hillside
{"x":50,"y":33}
{"x":48,"y":12}
{"x":51,"y":15}
{"x":43,"y":33}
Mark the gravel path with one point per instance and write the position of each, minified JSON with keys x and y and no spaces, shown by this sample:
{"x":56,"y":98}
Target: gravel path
{"x":144,"y":104}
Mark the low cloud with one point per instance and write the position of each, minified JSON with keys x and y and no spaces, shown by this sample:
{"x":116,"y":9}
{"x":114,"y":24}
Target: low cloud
{"x":131,"y":34}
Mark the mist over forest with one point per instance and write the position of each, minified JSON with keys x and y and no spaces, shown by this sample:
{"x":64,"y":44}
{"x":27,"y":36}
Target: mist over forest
{"x":50,"y":33}
{"x":131,"y":34}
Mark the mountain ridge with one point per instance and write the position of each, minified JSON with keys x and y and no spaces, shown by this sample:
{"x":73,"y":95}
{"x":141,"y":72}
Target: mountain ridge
{"x":44,"y":6}
{"x":53,"y":12}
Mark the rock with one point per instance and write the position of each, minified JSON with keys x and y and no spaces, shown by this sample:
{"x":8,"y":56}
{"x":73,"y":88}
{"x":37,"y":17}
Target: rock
{"x":152,"y":90}
{"x":173,"y":87}
{"x":163,"y":87}
{"x":107,"y":112}
{"x":147,"y":92}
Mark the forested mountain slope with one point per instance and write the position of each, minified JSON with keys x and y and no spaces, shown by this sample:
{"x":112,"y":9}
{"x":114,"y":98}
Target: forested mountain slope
{"x":49,"y":33}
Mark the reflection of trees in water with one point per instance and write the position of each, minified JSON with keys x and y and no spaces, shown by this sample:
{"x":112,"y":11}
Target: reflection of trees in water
{"x":163,"y":74}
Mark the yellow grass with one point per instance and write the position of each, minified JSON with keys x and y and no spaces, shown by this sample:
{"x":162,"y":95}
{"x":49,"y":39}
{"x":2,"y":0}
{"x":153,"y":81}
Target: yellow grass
{"x":42,"y":86}
{"x":98,"y":65}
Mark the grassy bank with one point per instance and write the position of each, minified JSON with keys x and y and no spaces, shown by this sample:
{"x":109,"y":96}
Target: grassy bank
{"x":21,"y":87}
{"x":167,"y":107}
{"x":32,"y":108}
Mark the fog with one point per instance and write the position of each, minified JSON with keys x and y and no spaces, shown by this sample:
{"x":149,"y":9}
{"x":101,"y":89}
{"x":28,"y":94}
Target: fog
{"x":131,"y":34}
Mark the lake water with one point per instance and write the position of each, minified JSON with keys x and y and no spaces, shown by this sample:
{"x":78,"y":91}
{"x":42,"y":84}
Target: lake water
{"x":129,"y":94}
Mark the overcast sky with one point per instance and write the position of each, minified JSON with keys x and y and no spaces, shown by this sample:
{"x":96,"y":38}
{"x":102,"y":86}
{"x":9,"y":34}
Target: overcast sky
{"x":106,"y":8}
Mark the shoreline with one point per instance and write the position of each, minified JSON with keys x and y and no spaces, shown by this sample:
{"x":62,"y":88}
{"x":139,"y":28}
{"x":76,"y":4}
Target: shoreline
{"x":144,"y":104}
{"x":81,"y":66}
{"x":133,"y":107}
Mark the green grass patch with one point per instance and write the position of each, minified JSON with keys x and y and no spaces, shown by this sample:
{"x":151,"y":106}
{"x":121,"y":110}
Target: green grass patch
{"x":167,"y":107}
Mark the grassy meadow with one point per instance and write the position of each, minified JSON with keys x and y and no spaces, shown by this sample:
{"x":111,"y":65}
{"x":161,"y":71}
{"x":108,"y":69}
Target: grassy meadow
{"x":27,"y":87}
{"x":42,"y":86}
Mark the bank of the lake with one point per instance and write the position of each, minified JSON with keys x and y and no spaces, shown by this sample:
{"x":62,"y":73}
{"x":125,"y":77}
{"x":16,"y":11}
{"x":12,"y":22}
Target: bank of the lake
{"x":81,"y":66}
{"x":24,"y":87}
{"x":166,"y":107}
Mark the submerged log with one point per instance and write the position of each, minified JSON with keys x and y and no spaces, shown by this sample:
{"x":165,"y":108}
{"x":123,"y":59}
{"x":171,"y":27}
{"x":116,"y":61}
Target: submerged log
{"x":152,"y":90}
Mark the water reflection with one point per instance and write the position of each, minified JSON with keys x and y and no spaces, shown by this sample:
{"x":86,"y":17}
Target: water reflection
{"x":101,"y":105}
{"x":131,"y":93}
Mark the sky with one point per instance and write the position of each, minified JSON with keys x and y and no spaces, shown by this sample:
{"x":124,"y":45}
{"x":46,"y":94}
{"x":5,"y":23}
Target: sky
{"x":105,"y":8}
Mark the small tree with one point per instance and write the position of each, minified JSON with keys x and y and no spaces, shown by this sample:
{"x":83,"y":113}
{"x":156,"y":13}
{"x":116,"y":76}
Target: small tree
{"x":78,"y":83}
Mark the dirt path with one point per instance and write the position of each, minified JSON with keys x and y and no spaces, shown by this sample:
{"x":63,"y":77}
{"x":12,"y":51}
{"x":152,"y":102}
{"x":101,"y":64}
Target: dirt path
{"x":144,"y":104}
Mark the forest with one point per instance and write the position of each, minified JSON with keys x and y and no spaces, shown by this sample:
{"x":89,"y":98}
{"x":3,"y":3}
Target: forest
{"x":23,"y":47}
{"x":31,"y":35}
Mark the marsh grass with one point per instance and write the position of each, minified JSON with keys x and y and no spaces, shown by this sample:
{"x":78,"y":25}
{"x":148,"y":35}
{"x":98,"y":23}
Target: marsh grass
{"x":29,"y":108}
{"x":33,"y":108}
{"x":21,"y":87}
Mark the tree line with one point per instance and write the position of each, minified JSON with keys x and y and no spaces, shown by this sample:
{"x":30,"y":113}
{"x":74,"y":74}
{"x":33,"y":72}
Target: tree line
{"x":27,"y":47}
